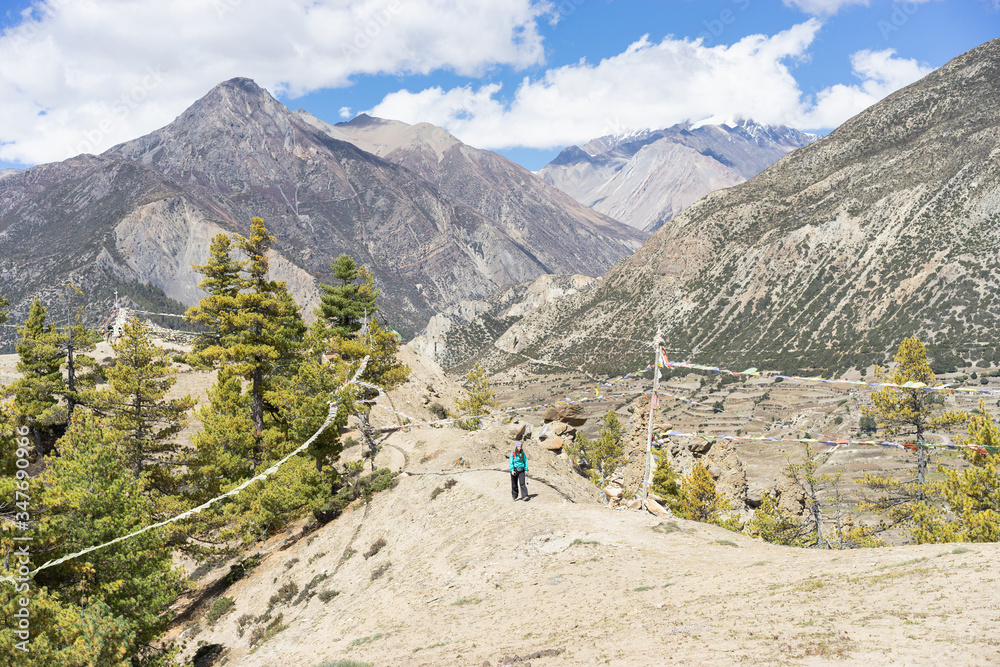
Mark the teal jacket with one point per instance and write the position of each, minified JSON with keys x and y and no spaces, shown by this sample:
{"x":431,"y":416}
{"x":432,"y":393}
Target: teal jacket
{"x":518,"y":460}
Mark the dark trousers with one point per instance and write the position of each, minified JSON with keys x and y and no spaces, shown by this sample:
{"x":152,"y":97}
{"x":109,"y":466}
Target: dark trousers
{"x":514,"y":481}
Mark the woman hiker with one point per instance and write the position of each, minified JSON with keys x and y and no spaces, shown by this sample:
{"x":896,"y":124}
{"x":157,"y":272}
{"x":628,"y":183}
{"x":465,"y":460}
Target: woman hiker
{"x":518,"y":468}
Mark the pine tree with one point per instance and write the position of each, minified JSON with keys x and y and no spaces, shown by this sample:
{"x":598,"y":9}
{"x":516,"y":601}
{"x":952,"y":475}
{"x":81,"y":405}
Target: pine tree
{"x":36,"y":393}
{"x":478,"y":400}
{"x":907,"y":412}
{"x":773,"y":524}
{"x":701,"y":501}
{"x":257,"y":328}
{"x":3,"y":309}
{"x":222,"y":282}
{"x":971,"y":495}
{"x":806,"y":476}
{"x":92,"y":497}
{"x":76,"y":339}
{"x":342,"y":306}
{"x":667,"y":482}
{"x":138,"y":383}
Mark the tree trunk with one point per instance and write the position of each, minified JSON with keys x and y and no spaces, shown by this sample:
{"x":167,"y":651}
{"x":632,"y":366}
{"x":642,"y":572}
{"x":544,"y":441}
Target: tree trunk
{"x":922,"y":460}
{"x":70,"y":380}
{"x":258,"y":416}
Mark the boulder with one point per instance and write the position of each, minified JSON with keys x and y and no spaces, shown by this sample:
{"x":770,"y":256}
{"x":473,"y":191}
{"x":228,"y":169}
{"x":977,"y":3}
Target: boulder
{"x":635,"y":504}
{"x":552,"y":444}
{"x":544,"y":432}
{"x":521,"y":431}
{"x":613,"y":491}
{"x":715,"y":472}
{"x":755,"y":495}
{"x":572,"y":415}
{"x":657,"y":509}
{"x":560,"y":428}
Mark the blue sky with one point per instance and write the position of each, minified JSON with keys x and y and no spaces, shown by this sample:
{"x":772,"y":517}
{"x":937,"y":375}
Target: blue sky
{"x":523,"y":77}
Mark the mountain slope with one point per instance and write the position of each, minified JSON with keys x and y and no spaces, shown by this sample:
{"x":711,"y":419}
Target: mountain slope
{"x":648,"y":177}
{"x":151,"y":204}
{"x":494,"y":187}
{"x":886,"y":228}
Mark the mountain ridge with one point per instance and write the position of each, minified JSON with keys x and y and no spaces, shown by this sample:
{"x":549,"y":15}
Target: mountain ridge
{"x":884,"y":229}
{"x":238,"y":153}
{"x":647,"y":177}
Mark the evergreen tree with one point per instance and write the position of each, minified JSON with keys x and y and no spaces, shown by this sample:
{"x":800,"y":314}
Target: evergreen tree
{"x":257,"y":328}
{"x":3,"y":309}
{"x":215,"y":311}
{"x":602,"y":456}
{"x":342,"y":306}
{"x":971,"y":495}
{"x":773,"y":524}
{"x":907,"y":412}
{"x":138,"y":383}
{"x":36,"y":393}
{"x":701,"y":501}
{"x":806,"y":476}
{"x":82,"y":371}
{"x":666,"y":482}
{"x":91,"y":497}
{"x":479,"y":398}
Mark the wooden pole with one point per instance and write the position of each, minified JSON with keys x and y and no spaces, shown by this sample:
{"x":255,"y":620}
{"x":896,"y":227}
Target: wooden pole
{"x":647,"y":476}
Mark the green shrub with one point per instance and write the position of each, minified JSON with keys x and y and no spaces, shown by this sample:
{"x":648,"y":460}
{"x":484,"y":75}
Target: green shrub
{"x":308,"y":590}
{"x":219,"y":608}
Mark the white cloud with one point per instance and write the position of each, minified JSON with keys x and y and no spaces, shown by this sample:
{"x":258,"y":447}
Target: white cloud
{"x":81,"y":75}
{"x":881,"y":73}
{"x":345,"y":112}
{"x":653,"y":85}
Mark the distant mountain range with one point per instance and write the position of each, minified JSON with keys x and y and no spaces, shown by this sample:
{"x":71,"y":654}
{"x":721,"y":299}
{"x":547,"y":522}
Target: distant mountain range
{"x":646,"y":178}
{"x":889,"y":227}
{"x":136,"y":217}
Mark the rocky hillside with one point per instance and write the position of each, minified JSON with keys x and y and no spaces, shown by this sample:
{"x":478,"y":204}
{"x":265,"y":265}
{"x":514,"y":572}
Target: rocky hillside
{"x":137,"y":216}
{"x":646,"y":178}
{"x":490,"y":184}
{"x":886,"y":228}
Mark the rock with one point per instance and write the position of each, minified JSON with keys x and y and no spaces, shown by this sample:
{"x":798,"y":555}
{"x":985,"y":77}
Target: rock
{"x":521,"y":431}
{"x":755,"y":495}
{"x":715,"y":472}
{"x":655,"y":497}
{"x":657,"y":509}
{"x":552,"y":444}
{"x":573,"y":415}
{"x":635,"y":504}
{"x":544,"y":432}
{"x":560,"y":428}
{"x":612,"y":491}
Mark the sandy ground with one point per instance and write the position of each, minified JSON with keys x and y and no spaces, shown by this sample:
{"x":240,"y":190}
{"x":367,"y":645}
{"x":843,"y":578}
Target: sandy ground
{"x":471,"y":576}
